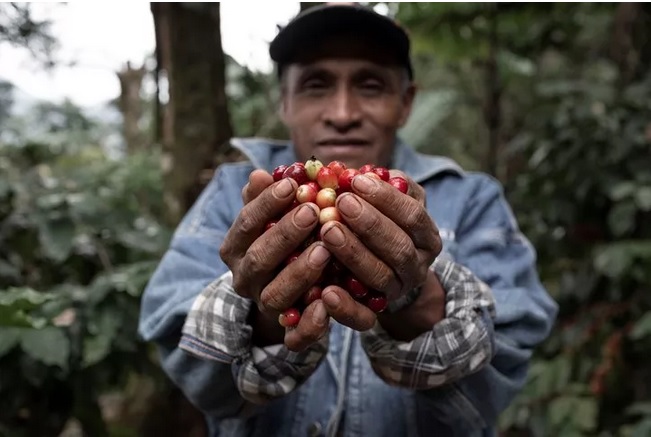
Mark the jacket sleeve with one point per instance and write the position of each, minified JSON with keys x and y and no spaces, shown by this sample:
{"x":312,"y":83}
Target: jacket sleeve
{"x":491,"y":247}
{"x":183,"y":292}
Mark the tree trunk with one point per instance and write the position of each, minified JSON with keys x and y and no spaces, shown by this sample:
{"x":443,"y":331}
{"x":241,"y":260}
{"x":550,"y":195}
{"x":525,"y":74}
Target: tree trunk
{"x":131,"y":106}
{"x":492,"y":109}
{"x":196,"y":123}
{"x":622,"y":47}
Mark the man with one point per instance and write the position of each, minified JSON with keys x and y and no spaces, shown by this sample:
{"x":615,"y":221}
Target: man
{"x":466,"y":306}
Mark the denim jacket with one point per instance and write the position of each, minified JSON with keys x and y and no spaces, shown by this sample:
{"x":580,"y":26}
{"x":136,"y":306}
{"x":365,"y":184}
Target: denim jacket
{"x":478,"y":231}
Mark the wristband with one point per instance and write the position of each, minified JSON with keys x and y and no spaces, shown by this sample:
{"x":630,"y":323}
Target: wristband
{"x":404,"y":301}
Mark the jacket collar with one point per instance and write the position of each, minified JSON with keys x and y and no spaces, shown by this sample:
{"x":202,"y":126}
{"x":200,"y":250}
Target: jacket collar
{"x":268,"y":154}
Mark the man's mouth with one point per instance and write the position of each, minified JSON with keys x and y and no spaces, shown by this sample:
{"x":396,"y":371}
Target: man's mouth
{"x":343,"y":142}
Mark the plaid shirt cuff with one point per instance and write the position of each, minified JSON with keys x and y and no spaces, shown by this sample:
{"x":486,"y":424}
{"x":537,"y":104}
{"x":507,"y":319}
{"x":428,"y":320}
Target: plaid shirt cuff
{"x":460,"y":344}
{"x":216,"y":329}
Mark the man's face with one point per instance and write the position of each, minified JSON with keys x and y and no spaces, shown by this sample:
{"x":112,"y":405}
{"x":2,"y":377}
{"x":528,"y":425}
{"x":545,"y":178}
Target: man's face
{"x":345,"y":101}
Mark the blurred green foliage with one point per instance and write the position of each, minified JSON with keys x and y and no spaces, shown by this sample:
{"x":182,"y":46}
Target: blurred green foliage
{"x":81,"y":228}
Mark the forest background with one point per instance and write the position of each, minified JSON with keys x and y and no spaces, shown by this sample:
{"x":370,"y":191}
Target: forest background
{"x":553,"y":99}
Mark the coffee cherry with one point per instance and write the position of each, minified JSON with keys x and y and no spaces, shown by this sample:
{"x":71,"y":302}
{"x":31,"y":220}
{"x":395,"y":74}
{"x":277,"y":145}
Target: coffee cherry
{"x":383,"y":173}
{"x":297,"y":172}
{"x":289,"y":318}
{"x":376,"y":301}
{"x":326,"y":178}
{"x":312,"y":294}
{"x":366,"y":168}
{"x":270,"y":225}
{"x":278,"y":172}
{"x":338,"y":167}
{"x":293,"y":257}
{"x":329,"y":214}
{"x":355,"y":288}
{"x":312,"y":167}
{"x":400,"y":183}
{"x":306,"y":193}
{"x":346,"y":179}
{"x":326,"y":197}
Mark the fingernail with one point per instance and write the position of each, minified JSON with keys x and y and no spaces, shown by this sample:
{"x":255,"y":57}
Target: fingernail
{"x":364,"y":184}
{"x":331,"y":299}
{"x":283,"y":189}
{"x":350,"y":206}
{"x":319,"y":316}
{"x":305,"y":216}
{"x":334,"y":236}
{"x":318,"y":256}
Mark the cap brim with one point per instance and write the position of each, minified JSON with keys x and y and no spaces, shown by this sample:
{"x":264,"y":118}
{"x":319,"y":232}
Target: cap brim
{"x":320,"y":22}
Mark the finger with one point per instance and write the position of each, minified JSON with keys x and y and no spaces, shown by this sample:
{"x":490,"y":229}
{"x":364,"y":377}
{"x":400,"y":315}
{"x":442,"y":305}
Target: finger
{"x":384,"y":238}
{"x":293,"y":280}
{"x":415,"y":190}
{"x":407,"y":212}
{"x":258,"y":181}
{"x":362,"y":263}
{"x":346,"y":310}
{"x":312,"y":326}
{"x":254,"y":216}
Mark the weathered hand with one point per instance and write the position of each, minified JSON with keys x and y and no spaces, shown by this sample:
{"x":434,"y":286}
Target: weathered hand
{"x":255,"y":257}
{"x":388,"y":242}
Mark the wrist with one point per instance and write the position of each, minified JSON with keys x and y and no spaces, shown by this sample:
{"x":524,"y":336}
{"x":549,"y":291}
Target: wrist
{"x":266,"y":330}
{"x":409,"y":321}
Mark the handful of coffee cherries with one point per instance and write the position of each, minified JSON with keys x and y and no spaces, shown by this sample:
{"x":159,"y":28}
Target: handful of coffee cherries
{"x":322,"y":184}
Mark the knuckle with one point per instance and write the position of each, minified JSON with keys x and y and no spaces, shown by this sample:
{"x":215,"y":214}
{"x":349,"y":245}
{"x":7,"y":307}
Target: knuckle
{"x":404,"y":254}
{"x":247,"y":223}
{"x":383,"y":279}
{"x":225,"y":253}
{"x":414,"y":219}
{"x":255,"y":263}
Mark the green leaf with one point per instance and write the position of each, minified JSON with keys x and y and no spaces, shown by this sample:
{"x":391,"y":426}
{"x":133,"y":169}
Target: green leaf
{"x":9,"y":337}
{"x":643,"y":198}
{"x":621,"y":218}
{"x":48,"y":345}
{"x":613,"y":260}
{"x":585,"y":413}
{"x":639,"y":408}
{"x":57,"y":237}
{"x":621,"y":190}
{"x":642,"y":429}
{"x":16,"y":305}
{"x":560,"y":410}
{"x":642,"y":328}
{"x":99,"y":345}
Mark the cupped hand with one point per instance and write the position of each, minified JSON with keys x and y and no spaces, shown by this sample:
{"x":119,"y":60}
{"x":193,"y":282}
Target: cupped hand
{"x":258,"y":257}
{"x":387,"y":240}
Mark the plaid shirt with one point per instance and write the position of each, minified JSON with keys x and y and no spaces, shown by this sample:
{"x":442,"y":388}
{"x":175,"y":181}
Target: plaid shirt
{"x":462,"y":343}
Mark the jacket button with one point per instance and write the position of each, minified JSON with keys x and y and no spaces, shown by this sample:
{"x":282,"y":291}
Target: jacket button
{"x":314,"y":430}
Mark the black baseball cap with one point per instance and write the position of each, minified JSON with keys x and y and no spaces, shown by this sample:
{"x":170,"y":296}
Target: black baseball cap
{"x":320,"y":22}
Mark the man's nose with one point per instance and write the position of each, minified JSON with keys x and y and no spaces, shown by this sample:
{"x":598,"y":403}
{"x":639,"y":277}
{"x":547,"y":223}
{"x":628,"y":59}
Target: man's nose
{"x":343,"y":112}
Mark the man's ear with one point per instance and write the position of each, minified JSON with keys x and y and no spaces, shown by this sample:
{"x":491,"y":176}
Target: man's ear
{"x":408,"y":96}
{"x":282,"y":107}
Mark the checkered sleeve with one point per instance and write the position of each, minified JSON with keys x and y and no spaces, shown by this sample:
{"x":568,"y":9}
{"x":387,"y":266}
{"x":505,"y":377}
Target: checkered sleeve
{"x":460,"y":344}
{"x":216,"y":329}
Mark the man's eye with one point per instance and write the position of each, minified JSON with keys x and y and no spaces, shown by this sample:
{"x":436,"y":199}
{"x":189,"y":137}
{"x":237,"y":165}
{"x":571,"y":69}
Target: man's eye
{"x":314,"y":84}
{"x":371,"y":85}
